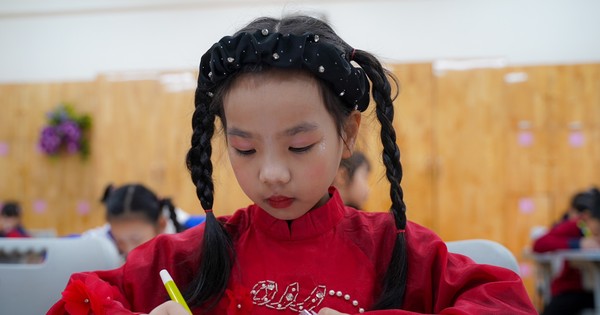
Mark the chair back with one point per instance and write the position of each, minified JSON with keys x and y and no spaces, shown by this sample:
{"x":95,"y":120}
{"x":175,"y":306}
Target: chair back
{"x":34,"y":271}
{"x":485,"y":252}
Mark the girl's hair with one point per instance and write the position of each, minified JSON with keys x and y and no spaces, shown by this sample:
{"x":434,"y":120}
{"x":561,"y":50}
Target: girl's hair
{"x":11,"y":209}
{"x":594,"y":202}
{"x":137,"y":200}
{"x":351,"y":164}
{"x":217,"y":255}
{"x":583,"y":201}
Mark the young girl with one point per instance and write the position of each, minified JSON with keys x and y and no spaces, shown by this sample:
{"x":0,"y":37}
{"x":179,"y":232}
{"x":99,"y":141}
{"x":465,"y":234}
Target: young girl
{"x":352,"y":180}
{"x":580,"y":230}
{"x":134,"y":215}
{"x":289,"y":94}
{"x":10,"y":221}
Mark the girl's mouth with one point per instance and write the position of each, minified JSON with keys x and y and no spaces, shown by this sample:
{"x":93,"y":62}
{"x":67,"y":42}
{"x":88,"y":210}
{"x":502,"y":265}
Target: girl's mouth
{"x":280,"y":202}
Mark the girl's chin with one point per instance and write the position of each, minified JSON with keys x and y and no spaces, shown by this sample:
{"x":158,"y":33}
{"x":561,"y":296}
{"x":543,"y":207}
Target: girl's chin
{"x":284,"y":214}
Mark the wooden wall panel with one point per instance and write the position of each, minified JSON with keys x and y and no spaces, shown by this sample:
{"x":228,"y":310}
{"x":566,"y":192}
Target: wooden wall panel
{"x":575,"y":124}
{"x":469,"y":143}
{"x":52,"y":191}
{"x":414,"y":124}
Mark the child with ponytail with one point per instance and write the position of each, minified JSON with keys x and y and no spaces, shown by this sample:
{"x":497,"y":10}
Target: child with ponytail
{"x":134,"y":215}
{"x":289,"y":95}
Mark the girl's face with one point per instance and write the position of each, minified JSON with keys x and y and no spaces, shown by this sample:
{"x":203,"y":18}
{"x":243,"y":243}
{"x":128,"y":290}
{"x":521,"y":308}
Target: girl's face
{"x":283,"y":144}
{"x":129,"y":233}
{"x":8,"y":224}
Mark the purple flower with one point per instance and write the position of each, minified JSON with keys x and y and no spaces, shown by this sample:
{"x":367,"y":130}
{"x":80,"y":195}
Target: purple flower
{"x":70,"y":130}
{"x":50,"y":140}
{"x":64,"y":132}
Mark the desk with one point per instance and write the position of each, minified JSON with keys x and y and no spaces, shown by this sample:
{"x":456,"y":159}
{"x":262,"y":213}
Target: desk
{"x":550,"y":264}
{"x":588,"y":261}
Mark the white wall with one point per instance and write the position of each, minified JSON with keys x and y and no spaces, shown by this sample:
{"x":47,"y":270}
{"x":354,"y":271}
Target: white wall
{"x":50,"y":40}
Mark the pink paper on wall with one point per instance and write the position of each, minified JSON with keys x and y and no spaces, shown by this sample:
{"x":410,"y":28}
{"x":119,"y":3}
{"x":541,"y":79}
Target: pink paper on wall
{"x":83,"y":207}
{"x":525,"y":138}
{"x":4,"y":149}
{"x":576,"y":139}
{"x":526,"y":205}
{"x":39,"y":206}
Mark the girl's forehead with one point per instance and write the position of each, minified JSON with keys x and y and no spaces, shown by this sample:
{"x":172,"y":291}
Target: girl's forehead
{"x":275,"y":103}
{"x":253,"y":79}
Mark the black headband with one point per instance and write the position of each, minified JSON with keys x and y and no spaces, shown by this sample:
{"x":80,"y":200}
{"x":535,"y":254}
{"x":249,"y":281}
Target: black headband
{"x":286,"y":51}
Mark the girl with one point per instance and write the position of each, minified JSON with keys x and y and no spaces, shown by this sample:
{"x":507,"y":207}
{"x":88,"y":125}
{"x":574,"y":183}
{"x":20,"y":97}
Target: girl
{"x":135,"y":215}
{"x":289,"y":96}
{"x":352,"y":180}
{"x":578,"y":231}
{"x":10,"y":221}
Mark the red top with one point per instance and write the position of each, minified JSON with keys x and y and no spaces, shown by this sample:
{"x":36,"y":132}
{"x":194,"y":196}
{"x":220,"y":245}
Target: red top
{"x":564,"y":235}
{"x":332,"y":256}
{"x":16,"y":232}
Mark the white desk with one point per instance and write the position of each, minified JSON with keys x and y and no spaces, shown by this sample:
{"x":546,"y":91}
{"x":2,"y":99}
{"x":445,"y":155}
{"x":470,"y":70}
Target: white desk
{"x":588,"y":261}
{"x":550,"y":265}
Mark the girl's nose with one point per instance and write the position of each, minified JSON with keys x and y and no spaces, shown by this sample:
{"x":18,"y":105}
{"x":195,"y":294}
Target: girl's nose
{"x":274,"y":173}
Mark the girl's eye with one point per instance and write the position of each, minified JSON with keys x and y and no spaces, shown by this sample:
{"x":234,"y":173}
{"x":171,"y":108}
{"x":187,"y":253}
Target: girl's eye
{"x":245,"y":152}
{"x":301,"y":150}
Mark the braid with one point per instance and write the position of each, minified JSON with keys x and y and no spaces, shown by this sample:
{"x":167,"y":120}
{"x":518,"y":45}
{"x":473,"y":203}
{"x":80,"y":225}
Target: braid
{"x":172,"y":214}
{"x":394,"y":285}
{"x":216,"y":251}
{"x":198,"y":157}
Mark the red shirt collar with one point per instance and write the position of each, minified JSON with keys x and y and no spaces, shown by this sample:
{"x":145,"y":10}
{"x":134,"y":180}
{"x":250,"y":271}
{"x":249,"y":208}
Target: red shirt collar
{"x":312,"y":224}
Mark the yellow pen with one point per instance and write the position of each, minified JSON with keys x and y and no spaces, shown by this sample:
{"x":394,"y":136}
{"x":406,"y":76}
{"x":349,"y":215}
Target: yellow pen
{"x":172,"y":289}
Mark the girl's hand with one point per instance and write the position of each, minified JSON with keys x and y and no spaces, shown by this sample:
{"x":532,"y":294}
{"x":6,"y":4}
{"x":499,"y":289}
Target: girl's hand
{"x":328,"y":311}
{"x":169,"y":308}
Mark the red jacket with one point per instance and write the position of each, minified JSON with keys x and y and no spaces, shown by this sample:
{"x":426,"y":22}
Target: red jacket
{"x":564,"y":235}
{"x":333,"y":256}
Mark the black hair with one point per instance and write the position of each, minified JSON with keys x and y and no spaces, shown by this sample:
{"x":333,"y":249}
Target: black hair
{"x":582,"y":201}
{"x":217,"y":255}
{"x":11,"y":209}
{"x":137,"y":200}
{"x":593,"y":202}
{"x":351,"y":164}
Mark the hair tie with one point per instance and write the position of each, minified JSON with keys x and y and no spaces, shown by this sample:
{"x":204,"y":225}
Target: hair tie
{"x":208,"y":211}
{"x":352,"y":54}
{"x":400,"y":231}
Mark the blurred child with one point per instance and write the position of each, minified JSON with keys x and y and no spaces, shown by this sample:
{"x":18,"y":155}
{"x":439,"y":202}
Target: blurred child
{"x":579,"y":230}
{"x":580,"y":203}
{"x":10,"y":221}
{"x":352,"y":180}
{"x":134,"y":215}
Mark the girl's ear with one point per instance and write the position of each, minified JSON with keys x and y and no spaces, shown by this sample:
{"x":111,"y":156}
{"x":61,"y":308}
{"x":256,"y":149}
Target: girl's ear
{"x":350,"y":133}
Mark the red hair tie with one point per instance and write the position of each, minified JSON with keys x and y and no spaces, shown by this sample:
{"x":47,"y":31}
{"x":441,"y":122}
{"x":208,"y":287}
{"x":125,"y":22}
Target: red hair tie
{"x":400,"y":231}
{"x":208,"y":210}
{"x":352,"y":54}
